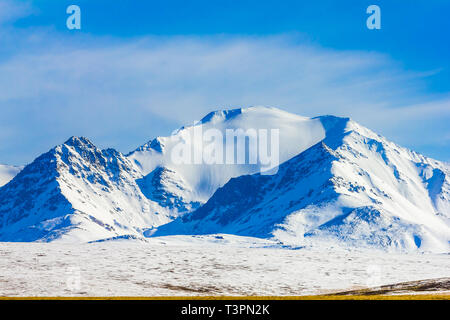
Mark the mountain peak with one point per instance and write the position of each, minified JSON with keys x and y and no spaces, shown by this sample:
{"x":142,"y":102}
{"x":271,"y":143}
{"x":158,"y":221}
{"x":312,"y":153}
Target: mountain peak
{"x":79,"y":142}
{"x":221,"y":115}
{"x":229,"y":114}
{"x":157,"y":144}
{"x":330,"y":121}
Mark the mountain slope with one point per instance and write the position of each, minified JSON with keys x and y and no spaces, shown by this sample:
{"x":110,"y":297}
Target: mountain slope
{"x":7,"y":173}
{"x":354,"y":187}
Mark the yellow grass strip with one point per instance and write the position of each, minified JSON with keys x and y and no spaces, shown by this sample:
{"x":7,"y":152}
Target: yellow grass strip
{"x":318,"y":297}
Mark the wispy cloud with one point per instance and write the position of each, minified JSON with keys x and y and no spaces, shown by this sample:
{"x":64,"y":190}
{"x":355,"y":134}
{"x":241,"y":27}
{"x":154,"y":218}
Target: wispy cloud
{"x":123,"y":92}
{"x":422,"y":126}
{"x":12,"y":10}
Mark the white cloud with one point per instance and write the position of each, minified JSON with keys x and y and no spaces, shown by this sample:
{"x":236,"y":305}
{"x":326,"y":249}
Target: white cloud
{"x":123,"y":92}
{"x":416,"y":125}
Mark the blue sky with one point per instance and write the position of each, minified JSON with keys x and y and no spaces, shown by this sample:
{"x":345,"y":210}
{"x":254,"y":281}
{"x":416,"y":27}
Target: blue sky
{"x":138,"y":69}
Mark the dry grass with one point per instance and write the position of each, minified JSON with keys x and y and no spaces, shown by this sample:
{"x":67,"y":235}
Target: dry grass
{"x":318,"y":297}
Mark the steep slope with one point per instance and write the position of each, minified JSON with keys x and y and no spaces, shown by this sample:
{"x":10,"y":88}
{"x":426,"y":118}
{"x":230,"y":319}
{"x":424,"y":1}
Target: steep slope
{"x":354,"y":187}
{"x":76,"y":192}
{"x":7,"y":173}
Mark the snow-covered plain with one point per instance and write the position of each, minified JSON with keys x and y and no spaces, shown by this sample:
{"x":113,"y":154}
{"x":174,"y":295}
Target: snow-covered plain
{"x":202,"y":265}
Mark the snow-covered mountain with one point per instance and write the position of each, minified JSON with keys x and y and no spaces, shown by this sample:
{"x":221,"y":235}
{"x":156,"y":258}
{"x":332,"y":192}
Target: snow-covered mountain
{"x":338,"y":181}
{"x":353,"y":187}
{"x":7,"y":173}
{"x":76,"y":192}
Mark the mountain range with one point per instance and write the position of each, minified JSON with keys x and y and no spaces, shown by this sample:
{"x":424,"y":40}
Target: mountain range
{"x":337,"y":182}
